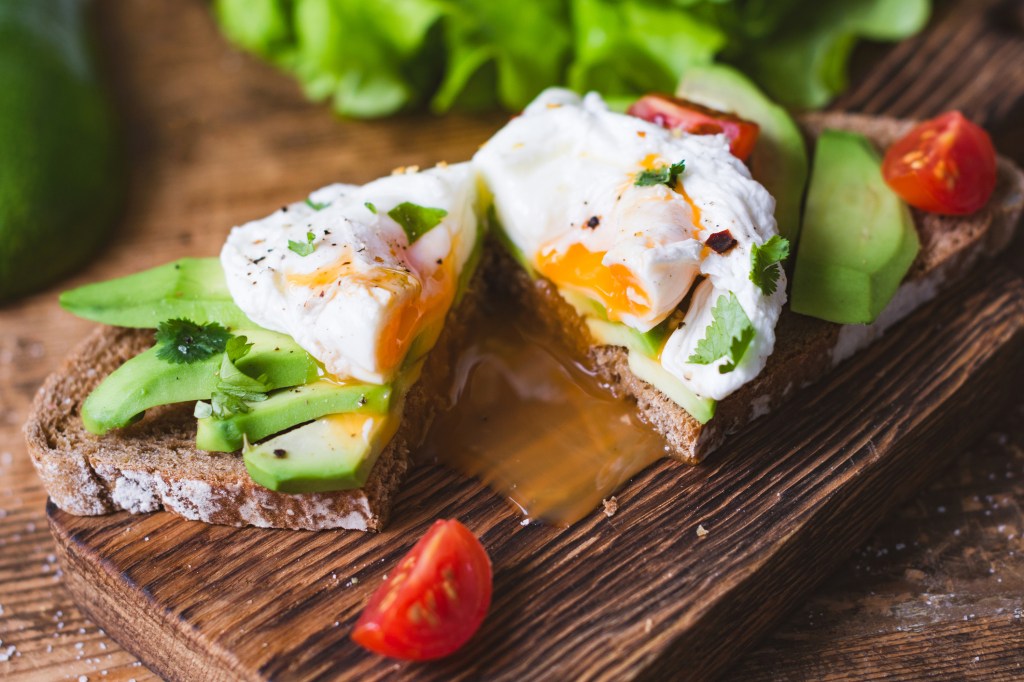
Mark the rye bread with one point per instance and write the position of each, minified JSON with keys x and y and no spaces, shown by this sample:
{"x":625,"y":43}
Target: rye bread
{"x":806,"y":349}
{"x":154,"y":464}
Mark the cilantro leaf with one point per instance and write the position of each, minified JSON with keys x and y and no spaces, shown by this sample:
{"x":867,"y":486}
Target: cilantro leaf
{"x":416,"y":220}
{"x":315,"y":205}
{"x":663,"y":175}
{"x":303,"y":248}
{"x":235,"y":389}
{"x":728,"y":336}
{"x":764,"y":263}
{"x":370,"y":207}
{"x":227,"y":401}
{"x":183,"y":341}
{"x":237,"y":348}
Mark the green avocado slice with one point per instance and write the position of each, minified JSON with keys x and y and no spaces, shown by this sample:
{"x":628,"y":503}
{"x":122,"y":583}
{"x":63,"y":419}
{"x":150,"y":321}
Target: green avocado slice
{"x":332,"y":453}
{"x":859,"y":238}
{"x":190,"y":288}
{"x":287,"y":408}
{"x":146,"y":381}
{"x":651,"y":371}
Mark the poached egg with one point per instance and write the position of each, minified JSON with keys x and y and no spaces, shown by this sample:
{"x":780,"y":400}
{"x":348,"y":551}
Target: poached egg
{"x":621,"y":210}
{"x":346,"y":280}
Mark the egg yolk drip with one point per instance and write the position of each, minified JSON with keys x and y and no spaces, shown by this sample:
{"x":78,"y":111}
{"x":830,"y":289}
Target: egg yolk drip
{"x":417,"y":306}
{"x":614,"y":286}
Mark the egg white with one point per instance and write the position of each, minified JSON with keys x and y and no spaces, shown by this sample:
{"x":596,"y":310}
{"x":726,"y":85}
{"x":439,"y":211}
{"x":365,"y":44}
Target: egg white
{"x":568,"y":159}
{"x":337,"y":301}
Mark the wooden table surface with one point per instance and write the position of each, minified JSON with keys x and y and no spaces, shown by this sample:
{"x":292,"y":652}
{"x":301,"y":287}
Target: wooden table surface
{"x":936,"y":592}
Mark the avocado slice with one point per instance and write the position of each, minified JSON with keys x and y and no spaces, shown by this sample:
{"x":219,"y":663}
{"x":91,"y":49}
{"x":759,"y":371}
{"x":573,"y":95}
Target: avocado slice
{"x":146,"y":381}
{"x":284,"y":409}
{"x":858,"y":239}
{"x":651,"y":371}
{"x":648,"y":344}
{"x":779,"y":160}
{"x":190,"y":288}
{"x":614,"y":333}
{"x":332,"y":453}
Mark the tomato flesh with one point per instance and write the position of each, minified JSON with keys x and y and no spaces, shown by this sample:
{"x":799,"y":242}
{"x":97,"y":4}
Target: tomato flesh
{"x":944,"y":165}
{"x":676,"y":113}
{"x":434,"y":601}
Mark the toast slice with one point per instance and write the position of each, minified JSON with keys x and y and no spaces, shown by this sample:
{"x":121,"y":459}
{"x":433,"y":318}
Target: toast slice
{"x":154,"y":464}
{"x":805,"y":348}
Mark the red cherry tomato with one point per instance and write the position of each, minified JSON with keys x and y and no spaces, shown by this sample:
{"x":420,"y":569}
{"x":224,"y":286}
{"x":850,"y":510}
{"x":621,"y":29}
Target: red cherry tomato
{"x":945,"y":165}
{"x":434,"y":601}
{"x":680,"y":114}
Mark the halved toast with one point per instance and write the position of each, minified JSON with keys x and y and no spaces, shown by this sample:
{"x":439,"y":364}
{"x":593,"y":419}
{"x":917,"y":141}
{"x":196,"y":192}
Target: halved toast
{"x":805,"y":348}
{"x":154,"y":464}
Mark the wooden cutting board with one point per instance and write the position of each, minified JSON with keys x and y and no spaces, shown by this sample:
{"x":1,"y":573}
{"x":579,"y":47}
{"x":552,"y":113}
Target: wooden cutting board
{"x":216,"y":138}
{"x":637,"y":595}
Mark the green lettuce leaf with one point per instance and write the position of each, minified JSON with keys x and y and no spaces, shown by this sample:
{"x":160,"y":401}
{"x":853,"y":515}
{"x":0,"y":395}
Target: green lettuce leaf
{"x":375,"y":58}
{"x":525,"y":42}
{"x":805,"y":63}
{"x":628,"y":47}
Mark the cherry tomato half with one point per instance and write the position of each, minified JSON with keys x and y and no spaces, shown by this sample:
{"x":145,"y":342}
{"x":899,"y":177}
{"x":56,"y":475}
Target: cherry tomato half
{"x":945,"y":165}
{"x":675,"y":113}
{"x":434,"y":601}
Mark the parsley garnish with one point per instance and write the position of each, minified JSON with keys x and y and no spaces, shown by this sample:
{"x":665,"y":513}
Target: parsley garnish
{"x":664,"y":175}
{"x":315,"y":205}
{"x":728,"y":336}
{"x":370,"y":207}
{"x":236,"y":389}
{"x":183,"y":341}
{"x":764,"y":263}
{"x":416,"y":220}
{"x":303,"y":248}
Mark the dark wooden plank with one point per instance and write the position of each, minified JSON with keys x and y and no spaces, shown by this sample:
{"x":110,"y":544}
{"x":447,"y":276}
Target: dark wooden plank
{"x":636,"y":595}
{"x":941,"y":579}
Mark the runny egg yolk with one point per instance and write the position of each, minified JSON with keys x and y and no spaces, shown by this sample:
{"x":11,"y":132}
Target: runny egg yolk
{"x":614,"y":286}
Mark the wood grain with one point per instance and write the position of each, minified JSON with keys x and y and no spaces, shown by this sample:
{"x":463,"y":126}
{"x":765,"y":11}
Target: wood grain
{"x":639,"y":595}
{"x":214,"y":138}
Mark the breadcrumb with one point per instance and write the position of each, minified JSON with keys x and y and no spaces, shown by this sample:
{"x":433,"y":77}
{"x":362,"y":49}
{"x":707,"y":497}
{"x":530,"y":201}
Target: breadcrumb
{"x":611,"y":505}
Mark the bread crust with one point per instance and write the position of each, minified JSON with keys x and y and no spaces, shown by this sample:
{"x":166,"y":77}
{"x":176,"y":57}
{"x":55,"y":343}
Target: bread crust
{"x":806,"y":349}
{"x":154,"y":463}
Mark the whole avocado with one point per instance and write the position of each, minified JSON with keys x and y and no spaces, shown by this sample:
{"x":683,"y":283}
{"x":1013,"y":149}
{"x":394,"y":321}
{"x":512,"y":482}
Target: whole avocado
{"x":60,"y":175}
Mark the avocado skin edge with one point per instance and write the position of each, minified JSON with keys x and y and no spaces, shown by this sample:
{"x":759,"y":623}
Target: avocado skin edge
{"x":61,"y":172}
